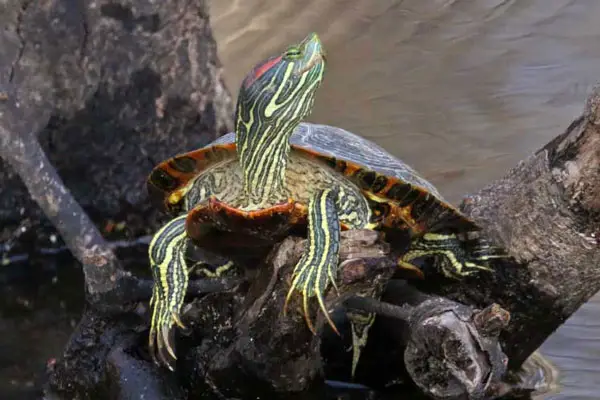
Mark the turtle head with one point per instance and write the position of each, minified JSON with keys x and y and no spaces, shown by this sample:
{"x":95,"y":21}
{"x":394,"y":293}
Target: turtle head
{"x":280,"y":90}
{"x":273,"y":99}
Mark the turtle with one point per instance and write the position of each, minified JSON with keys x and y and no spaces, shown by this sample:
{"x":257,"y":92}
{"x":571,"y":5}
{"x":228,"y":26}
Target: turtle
{"x":276,"y":173}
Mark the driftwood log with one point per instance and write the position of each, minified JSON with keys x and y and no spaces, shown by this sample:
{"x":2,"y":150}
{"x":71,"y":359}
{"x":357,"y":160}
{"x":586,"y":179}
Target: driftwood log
{"x":452,"y":339}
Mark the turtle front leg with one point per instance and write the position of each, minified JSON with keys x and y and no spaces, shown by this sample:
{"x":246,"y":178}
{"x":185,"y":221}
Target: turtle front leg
{"x":170,"y":273}
{"x":319,"y":263}
{"x":456,"y":258}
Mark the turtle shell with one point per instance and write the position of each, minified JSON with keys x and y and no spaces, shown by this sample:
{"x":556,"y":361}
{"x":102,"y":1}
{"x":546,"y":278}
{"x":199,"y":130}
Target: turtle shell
{"x":384,"y":178}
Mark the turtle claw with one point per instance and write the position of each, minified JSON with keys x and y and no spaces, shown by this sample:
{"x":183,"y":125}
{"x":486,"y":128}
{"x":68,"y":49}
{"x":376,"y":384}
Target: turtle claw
{"x":309,"y":281}
{"x":162,"y":332}
{"x":411,"y":269}
{"x":161,"y":345}
{"x":163,"y":354}
{"x":175,"y":317}
{"x":470,"y":269}
{"x":161,"y":339}
{"x":167,"y":334}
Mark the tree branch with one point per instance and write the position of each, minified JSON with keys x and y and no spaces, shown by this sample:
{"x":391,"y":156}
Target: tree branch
{"x":20,"y":122}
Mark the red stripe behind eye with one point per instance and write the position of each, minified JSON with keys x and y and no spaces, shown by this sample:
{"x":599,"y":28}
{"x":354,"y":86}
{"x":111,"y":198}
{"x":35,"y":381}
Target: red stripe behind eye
{"x":260,"y":71}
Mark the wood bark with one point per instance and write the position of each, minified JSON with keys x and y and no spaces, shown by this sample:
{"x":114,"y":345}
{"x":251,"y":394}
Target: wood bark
{"x":19,"y":123}
{"x":85,"y":114}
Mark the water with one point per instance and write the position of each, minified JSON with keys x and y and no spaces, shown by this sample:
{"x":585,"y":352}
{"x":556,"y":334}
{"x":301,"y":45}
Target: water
{"x":460,"y":89}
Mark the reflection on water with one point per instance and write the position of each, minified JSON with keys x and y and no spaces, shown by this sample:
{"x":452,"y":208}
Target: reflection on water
{"x":460,"y":89}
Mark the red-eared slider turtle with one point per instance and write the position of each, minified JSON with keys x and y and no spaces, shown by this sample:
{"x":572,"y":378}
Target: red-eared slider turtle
{"x":274,"y":174}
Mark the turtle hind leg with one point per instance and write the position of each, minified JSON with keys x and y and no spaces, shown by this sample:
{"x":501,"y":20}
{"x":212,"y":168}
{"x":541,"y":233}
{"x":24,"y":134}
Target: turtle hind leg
{"x":360,"y":323}
{"x":319,"y":263}
{"x":457,"y":258}
{"x":207,"y":270}
{"x":169,"y":270}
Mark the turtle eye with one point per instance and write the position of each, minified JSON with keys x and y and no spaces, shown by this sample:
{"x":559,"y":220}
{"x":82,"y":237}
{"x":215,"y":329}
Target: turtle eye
{"x":293,"y":53}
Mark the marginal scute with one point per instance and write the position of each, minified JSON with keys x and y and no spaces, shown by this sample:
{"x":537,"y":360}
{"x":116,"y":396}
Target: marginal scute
{"x":410,"y":198}
{"x":183,"y":164}
{"x":163,"y":180}
{"x":399,"y":191}
{"x":366,"y":178}
{"x":217,"y":153}
{"x":380,"y":211}
{"x":379,"y":184}
{"x":438,"y":212}
{"x":421,"y":209}
{"x":418,"y":200}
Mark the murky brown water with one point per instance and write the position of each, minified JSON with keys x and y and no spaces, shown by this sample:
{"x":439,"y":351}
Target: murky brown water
{"x":460,"y":89}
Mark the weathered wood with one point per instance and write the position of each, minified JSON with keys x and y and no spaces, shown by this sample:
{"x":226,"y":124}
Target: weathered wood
{"x":546,"y":213}
{"x":252,"y":343}
{"x":450,"y":351}
{"x":236,"y":336}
